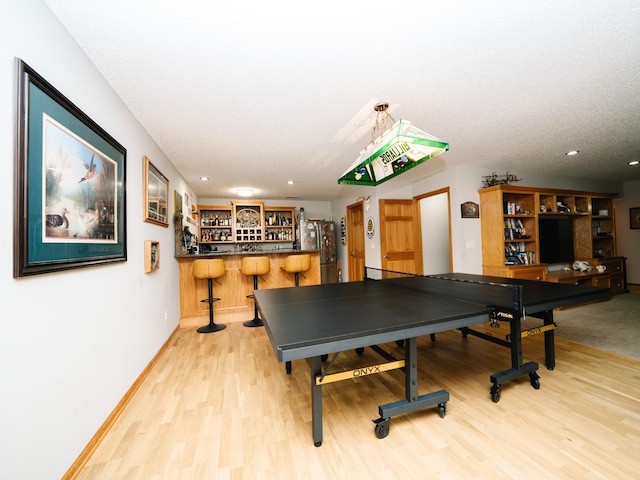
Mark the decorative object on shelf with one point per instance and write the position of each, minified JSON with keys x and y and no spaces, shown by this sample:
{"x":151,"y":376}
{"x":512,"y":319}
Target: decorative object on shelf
{"x":69,"y":205}
{"x":156,"y":195}
{"x":470,"y":210}
{"x":634,"y":217}
{"x":494,"y":179}
{"x":582,"y":266}
{"x":188,"y":240}
{"x":563,"y":207}
{"x":395,"y":147}
{"x":151,"y":256}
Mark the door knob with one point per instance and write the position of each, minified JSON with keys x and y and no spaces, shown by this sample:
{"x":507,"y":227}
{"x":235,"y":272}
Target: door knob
{"x":386,"y":257}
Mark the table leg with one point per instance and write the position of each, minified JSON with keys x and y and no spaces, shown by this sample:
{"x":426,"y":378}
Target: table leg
{"x":518,"y":368}
{"x":549,"y":342}
{"x":412,"y":401}
{"x":315,"y":366}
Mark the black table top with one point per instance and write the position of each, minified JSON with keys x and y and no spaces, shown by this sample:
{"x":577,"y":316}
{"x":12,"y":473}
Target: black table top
{"x":303,"y":322}
{"x":540,"y":296}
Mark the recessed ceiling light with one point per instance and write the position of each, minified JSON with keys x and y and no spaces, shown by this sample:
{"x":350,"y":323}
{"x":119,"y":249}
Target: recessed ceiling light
{"x":290,"y":182}
{"x":634,"y":162}
{"x":204,"y":179}
{"x":572,"y":152}
{"x":244,"y":192}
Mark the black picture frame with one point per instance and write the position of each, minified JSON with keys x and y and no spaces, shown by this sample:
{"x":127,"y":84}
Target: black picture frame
{"x":69,"y":184}
{"x":634,"y":217}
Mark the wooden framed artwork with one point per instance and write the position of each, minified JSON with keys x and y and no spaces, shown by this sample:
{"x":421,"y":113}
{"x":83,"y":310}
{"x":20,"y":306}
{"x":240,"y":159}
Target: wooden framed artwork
{"x":156,"y":195}
{"x":69,"y":205}
{"x":634,"y":217}
{"x":177,"y":202}
{"x":470,"y":210}
{"x":151,"y":256}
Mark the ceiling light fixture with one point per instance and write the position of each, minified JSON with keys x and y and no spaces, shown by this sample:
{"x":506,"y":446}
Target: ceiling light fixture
{"x":395,"y":147}
{"x":204,"y":179}
{"x":290,"y":182}
{"x":244,"y":192}
{"x":634,"y":162}
{"x":572,"y":152}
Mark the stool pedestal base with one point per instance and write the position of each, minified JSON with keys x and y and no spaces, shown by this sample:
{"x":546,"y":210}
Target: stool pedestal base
{"x":256,"y":322}
{"x":212,"y":327}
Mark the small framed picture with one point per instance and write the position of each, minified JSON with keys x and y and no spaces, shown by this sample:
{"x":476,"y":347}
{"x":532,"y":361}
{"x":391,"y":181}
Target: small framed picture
{"x":634,"y":217}
{"x":156,"y":195}
{"x":151,"y":256}
{"x":470,"y":210}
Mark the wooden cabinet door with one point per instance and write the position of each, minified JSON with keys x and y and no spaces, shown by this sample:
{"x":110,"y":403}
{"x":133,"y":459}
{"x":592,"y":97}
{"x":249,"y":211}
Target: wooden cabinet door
{"x":400,"y":241}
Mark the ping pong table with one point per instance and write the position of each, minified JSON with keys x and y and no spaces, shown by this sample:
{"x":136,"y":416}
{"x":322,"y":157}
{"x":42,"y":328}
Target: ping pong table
{"x":313,"y":322}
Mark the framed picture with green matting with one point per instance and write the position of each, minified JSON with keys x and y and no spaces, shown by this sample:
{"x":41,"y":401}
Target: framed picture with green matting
{"x":69,"y":205}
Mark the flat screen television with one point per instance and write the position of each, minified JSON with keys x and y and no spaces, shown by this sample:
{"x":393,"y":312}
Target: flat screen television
{"x":556,"y":239}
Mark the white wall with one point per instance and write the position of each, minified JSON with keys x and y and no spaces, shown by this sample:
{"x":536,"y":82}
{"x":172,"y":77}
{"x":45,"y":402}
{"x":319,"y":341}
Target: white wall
{"x":73,"y":343}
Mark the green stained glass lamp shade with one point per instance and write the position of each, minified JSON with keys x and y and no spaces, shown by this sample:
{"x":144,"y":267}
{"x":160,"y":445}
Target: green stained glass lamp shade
{"x":399,"y":149}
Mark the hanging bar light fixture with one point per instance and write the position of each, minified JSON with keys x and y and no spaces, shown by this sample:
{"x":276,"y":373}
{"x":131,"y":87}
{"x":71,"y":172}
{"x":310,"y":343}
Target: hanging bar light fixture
{"x":395,"y":148}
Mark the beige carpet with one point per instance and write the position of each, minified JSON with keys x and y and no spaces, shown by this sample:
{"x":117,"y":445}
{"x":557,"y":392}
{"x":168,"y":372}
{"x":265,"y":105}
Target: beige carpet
{"x":612,"y":325}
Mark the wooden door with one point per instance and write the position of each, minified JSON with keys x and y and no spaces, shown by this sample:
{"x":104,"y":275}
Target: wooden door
{"x":355,"y":241}
{"x":400,"y":242}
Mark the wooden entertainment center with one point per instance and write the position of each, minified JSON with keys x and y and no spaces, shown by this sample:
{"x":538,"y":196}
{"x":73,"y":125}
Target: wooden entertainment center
{"x":512,"y":245}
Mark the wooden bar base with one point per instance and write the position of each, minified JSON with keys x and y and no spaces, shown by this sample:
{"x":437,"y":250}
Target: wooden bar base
{"x":233,"y":287}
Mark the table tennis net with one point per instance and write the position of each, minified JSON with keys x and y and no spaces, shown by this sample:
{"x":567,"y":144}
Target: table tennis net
{"x":486,"y":293}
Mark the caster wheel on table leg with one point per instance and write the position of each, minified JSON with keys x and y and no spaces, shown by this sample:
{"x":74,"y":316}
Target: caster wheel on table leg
{"x":495,"y":393}
{"x":442,"y":409}
{"x":534,"y":378}
{"x":382,"y":427}
{"x":360,"y":350}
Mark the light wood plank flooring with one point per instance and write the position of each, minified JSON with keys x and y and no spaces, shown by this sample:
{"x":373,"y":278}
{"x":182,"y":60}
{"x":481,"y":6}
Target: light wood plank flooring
{"x":219,"y":406}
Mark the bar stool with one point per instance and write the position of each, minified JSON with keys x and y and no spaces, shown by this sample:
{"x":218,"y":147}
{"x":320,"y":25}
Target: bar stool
{"x":255,"y":266}
{"x":209,"y":270}
{"x":297,"y":264}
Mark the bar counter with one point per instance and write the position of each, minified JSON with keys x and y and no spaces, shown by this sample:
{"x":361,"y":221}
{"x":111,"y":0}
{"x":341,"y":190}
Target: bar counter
{"x":233,"y":287}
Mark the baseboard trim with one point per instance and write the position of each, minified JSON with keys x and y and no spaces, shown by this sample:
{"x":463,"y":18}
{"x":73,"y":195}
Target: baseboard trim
{"x":89,"y":450}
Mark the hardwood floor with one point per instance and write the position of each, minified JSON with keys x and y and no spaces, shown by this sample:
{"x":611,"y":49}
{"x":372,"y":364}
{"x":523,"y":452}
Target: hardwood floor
{"x":219,"y":406}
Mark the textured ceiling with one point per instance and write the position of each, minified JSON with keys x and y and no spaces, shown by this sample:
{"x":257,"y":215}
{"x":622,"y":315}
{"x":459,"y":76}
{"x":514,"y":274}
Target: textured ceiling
{"x":253,"y":94}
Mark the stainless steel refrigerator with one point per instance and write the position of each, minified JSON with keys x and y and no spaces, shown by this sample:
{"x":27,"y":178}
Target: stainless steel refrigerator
{"x":321,"y":235}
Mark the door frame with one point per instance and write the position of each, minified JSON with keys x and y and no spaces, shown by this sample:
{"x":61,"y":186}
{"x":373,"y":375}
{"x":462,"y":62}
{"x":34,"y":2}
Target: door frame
{"x":417,"y":199}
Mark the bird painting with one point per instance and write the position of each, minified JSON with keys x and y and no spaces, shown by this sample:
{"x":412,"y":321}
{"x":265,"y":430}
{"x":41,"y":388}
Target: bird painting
{"x":91,"y":170}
